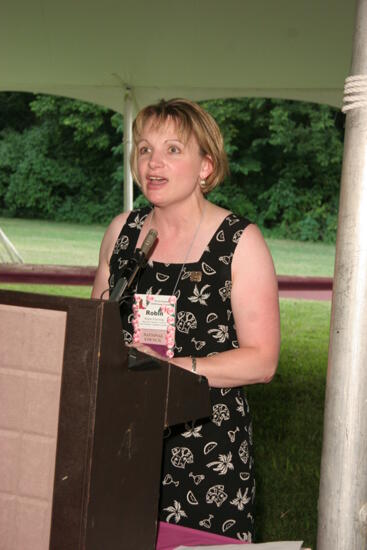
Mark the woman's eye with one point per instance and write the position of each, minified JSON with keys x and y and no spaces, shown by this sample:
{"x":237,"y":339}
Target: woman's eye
{"x":143,"y":150}
{"x":174,"y":149}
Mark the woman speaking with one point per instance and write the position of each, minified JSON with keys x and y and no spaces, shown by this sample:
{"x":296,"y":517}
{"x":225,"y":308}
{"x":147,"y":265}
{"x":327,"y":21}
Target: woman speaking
{"x":212,"y":271}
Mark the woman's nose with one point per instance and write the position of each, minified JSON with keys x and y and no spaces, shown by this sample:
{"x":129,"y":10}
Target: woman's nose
{"x":155,"y":158}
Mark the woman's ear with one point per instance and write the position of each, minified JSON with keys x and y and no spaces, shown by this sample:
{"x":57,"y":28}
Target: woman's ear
{"x":206,"y":167}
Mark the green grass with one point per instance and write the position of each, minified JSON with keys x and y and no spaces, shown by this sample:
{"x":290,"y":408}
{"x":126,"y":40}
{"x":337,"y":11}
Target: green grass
{"x":54,"y":290}
{"x":300,"y":258}
{"x":42,"y":242}
{"x":72,"y":244}
{"x":288,"y":423}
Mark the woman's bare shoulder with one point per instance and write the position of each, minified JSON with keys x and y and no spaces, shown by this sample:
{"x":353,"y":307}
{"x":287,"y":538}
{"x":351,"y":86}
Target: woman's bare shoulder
{"x":216,"y":214}
{"x":118,"y":222}
{"x":252,"y":255}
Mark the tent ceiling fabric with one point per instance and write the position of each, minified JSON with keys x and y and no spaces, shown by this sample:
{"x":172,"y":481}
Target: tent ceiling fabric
{"x":201,"y":49}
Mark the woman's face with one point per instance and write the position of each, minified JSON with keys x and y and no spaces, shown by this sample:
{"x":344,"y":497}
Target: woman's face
{"x":169,"y":167}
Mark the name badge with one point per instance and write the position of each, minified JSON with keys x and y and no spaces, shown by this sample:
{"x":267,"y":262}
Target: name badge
{"x":155,"y":321}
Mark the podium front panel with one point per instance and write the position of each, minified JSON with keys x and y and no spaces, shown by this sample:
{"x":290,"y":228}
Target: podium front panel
{"x":64,"y":377}
{"x":31,"y":358}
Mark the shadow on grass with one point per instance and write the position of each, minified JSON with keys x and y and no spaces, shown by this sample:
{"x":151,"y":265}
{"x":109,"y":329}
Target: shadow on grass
{"x":288,"y":425}
{"x":288,"y":437}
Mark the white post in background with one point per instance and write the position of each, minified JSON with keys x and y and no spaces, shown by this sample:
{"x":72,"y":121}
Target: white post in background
{"x":12,"y":252}
{"x":127,"y":144}
{"x":343,"y":486}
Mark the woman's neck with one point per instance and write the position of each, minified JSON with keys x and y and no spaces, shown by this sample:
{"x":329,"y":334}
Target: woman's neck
{"x":178,"y":218}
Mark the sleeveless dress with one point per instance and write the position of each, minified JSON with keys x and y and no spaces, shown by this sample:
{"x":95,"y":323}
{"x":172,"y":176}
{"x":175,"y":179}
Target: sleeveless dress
{"x":207,"y":478}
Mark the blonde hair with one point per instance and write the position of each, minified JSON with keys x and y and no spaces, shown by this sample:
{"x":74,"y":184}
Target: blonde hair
{"x":190,"y":119}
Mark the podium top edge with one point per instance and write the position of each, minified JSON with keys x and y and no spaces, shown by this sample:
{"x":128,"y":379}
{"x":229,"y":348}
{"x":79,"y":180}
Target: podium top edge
{"x":47,"y":301}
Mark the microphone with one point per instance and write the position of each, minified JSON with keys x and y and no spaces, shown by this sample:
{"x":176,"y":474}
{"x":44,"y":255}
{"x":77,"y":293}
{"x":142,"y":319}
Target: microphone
{"x":141,"y":257}
{"x":148,"y":243}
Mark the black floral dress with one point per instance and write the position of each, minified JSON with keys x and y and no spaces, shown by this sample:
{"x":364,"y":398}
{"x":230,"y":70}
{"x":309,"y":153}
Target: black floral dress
{"x":207,"y":473}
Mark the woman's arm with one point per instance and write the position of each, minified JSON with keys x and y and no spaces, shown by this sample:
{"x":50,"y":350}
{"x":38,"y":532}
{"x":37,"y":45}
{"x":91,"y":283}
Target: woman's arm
{"x":103,"y":270}
{"x":255,"y":308}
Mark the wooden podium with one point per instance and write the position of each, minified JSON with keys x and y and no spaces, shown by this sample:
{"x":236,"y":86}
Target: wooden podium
{"x":66,"y":391}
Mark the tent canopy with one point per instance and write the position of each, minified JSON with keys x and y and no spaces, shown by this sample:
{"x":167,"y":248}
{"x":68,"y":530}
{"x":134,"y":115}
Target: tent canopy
{"x":201,"y":49}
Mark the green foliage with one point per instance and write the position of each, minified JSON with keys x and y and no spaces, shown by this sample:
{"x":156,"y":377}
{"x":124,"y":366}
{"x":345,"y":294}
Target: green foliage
{"x":285,"y":160}
{"x":62,"y":167}
{"x":15,"y":112}
{"x":37,"y":186}
{"x":140,"y":201}
{"x":231,"y":197}
{"x":62,"y":159}
{"x":89,"y":125}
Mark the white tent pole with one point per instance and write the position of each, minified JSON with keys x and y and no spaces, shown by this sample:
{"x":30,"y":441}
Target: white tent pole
{"x":127,"y":144}
{"x":343,"y":485}
{"x":10,"y":248}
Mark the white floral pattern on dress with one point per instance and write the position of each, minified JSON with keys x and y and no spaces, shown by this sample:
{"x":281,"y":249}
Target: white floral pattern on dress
{"x":228,"y":524}
{"x":186,"y":321}
{"x":222,"y":465}
{"x":122,"y":243}
{"x":216,"y":495}
{"x":226,"y":259}
{"x":138,"y":222}
{"x":181,"y":456}
{"x":198,"y":344}
{"x":215,"y":450}
{"x":175,"y":512}
{"x":237,"y":236}
{"x":211,"y":317}
{"x":192,"y":431}
{"x":197,"y":478}
{"x":225,"y":291}
{"x":200,"y":295}
{"x":241,"y":406}
{"x":220,"y":413}
{"x":245,"y":537}
{"x":220,"y":333}
{"x":191,"y":499}
{"x":244,"y":451}
{"x":241,"y":499}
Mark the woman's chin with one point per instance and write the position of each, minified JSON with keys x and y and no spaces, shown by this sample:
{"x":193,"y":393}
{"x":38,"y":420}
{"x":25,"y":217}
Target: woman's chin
{"x":155,"y":193}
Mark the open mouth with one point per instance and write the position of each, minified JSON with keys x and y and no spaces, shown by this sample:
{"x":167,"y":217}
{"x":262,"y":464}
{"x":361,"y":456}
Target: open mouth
{"x":156,"y":181}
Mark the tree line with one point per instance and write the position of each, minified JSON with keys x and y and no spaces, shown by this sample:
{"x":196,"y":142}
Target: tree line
{"x":61,"y":159}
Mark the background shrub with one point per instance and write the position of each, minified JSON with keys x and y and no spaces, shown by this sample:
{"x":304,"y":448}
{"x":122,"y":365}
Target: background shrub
{"x":62,"y":159}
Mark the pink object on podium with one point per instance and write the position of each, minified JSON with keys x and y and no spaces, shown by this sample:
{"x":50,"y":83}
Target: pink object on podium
{"x":171,"y":536}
